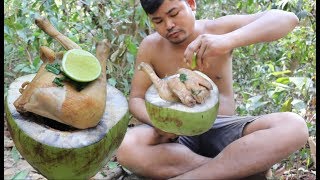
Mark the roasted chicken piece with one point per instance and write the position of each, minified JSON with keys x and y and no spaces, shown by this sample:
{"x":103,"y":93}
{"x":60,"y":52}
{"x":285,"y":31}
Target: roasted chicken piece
{"x":196,"y":84}
{"x":160,"y":84}
{"x":188,"y":88}
{"x":179,"y":89}
{"x":79,"y":109}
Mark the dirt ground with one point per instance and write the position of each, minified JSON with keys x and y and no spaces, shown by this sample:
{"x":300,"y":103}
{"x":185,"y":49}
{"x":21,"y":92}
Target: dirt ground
{"x":16,"y":167}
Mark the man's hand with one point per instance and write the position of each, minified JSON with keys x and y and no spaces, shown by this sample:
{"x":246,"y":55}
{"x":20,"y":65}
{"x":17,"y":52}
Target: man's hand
{"x":207,"y":45}
{"x":165,"y":137}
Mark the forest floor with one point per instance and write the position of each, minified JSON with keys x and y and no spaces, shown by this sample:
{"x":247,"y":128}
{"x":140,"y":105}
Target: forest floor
{"x":16,"y":167}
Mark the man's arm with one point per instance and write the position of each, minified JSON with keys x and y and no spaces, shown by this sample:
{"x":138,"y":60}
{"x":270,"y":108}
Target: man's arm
{"x":139,"y":85}
{"x":138,"y":110}
{"x":240,"y":30}
{"x":265,"y":27}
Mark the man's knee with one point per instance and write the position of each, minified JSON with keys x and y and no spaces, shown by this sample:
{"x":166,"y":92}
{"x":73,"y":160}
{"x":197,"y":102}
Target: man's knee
{"x":135,"y":140}
{"x":121,"y":151}
{"x":295,"y":126}
{"x":127,"y":146}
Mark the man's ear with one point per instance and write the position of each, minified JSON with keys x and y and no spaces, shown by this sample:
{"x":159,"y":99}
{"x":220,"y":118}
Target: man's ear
{"x":192,"y":4}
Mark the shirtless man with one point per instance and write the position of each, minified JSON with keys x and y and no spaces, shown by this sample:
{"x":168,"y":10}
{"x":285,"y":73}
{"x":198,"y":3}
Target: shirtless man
{"x":235,"y":147}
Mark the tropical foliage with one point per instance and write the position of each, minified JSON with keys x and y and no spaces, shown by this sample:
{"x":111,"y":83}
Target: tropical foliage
{"x":268,"y":77}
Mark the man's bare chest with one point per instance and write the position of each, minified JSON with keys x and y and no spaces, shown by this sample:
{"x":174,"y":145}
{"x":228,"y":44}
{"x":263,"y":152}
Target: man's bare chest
{"x":216,"y":68}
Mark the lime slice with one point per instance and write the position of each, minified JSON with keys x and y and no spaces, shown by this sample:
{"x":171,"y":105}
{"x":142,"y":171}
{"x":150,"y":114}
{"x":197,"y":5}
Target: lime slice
{"x":194,"y":61}
{"x":81,"y":65}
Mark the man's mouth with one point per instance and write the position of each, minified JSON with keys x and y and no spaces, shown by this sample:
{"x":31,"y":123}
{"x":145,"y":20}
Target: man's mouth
{"x":173,"y":34}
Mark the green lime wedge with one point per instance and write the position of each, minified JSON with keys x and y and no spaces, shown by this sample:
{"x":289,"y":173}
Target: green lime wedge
{"x":194,"y":61}
{"x":81,"y":65}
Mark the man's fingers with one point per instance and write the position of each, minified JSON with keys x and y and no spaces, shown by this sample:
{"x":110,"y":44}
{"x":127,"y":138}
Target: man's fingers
{"x":192,"y":48}
{"x":200,"y":55}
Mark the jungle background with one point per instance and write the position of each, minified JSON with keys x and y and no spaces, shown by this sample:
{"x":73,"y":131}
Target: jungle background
{"x":268,"y":77}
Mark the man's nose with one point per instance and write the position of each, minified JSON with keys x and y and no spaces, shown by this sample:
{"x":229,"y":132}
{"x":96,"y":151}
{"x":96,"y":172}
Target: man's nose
{"x":169,"y":24}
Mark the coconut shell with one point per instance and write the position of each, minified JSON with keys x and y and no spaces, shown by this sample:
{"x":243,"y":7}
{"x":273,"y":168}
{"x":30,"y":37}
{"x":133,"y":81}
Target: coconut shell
{"x":176,"y":118}
{"x":67,"y":154}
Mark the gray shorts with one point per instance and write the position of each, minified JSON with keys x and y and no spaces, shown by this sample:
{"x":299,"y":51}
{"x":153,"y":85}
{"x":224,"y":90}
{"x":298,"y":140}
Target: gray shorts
{"x":225,"y":130}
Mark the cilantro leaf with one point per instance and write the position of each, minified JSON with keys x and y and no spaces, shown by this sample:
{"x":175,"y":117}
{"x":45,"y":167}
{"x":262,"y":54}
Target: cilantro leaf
{"x":54,"y":68}
{"x":183,"y":77}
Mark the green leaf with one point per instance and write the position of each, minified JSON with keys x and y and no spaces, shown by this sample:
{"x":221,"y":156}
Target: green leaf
{"x":300,"y":82}
{"x":6,"y":30}
{"x":112,"y":164}
{"x":130,"y":57}
{"x":132,"y":48}
{"x":112,"y":82}
{"x":299,"y":105}
{"x":36,"y":61}
{"x":20,"y":175}
{"x":280,"y":85}
{"x":281,"y":73}
{"x":283,"y":80}
{"x":255,"y":99}
{"x":15,"y":154}
{"x":19,"y":67}
{"x":286,"y":106}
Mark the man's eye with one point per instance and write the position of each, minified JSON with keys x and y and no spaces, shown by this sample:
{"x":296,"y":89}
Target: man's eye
{"x":158,"y":22}
{"x":174,"y":14}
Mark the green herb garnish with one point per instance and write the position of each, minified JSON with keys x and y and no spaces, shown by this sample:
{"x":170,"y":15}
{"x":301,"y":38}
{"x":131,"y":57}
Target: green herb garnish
{"x":58,"y":81}
{"x":195,"y":93}
{"x":183,"y":77}
{"x":54,"y":68}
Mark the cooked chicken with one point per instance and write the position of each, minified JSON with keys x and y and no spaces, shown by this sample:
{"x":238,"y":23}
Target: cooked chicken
{"x":160,"y":84}
{"x":189,"y":90}
{"x":196,"y":84}
{"x":80,"y":109}
{"x":179,"y":89}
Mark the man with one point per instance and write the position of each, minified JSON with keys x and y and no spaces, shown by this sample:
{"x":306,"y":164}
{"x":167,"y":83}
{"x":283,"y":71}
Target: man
{"x":235,"y":147}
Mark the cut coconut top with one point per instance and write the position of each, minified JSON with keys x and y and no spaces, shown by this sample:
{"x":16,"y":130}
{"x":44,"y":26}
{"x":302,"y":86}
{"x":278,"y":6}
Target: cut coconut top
{"x":116,"y":108}
{"x":152,"y":96}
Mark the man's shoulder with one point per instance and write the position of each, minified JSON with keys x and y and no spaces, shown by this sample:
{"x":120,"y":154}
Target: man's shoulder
{"x":152,"y":41}
{"x":153,"y":38}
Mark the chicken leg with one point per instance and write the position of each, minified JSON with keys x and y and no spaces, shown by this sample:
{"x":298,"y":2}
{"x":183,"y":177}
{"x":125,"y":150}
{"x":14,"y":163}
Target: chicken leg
{"x":160,"y":84}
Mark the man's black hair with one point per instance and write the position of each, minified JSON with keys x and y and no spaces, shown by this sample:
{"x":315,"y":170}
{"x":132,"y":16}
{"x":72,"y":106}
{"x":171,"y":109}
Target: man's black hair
{"x":151,"y":6}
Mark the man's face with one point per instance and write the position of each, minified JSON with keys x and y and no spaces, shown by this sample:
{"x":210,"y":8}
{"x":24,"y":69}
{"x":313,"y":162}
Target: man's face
{"x":174,"y":20}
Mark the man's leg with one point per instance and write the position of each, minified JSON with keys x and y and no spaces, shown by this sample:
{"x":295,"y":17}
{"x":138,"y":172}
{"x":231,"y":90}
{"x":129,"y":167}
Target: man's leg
{"x":265,"y":142}
{"x":146,"y":153}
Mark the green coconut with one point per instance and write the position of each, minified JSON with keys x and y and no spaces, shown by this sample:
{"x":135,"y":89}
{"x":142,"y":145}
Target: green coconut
{"x":67,"y":154}
{"x":177,"y":118}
